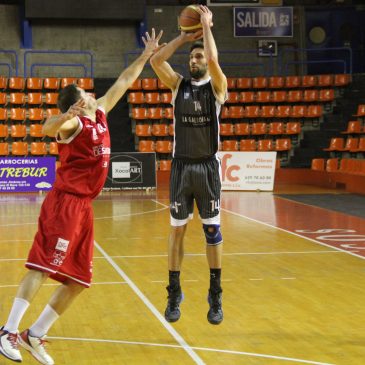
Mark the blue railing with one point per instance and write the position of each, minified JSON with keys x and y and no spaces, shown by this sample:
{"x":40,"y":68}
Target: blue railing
{"x":346,"y":61}
{"x":8,"y":64}
{"x":88,"y":68}
{"x":268,"y":63}
{"x":266,"y":66}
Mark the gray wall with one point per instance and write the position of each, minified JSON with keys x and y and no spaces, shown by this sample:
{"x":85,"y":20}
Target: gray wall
{"x":109,"y":42}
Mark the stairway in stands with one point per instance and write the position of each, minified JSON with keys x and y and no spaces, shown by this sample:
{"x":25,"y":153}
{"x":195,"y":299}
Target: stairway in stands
{"x":315,"y":140}
{"x":122,"y":139}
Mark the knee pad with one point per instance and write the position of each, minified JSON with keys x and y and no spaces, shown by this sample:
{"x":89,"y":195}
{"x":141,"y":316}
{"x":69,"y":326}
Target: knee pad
{"x":213,"y":234}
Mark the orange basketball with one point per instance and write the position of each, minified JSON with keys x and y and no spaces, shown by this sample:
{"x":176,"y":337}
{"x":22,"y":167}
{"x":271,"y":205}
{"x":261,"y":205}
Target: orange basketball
{"x":189,"y":19}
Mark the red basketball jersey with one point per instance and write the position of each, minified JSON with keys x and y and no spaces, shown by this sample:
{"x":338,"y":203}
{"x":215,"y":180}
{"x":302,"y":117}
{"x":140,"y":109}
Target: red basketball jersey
{"x":85,"y":158}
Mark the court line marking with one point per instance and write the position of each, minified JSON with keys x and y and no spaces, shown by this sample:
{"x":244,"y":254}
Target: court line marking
{"x":55,"y":284}
{"x":197,"y":254}
{"x":252,"y":354}
{"x":96,"y":218}
{"x":151,"y":307}
{"x":291,"y":232}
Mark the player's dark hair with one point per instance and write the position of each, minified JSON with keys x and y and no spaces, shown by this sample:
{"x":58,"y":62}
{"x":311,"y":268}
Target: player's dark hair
{"x":67,"y":97}
{"x":197,"y":44}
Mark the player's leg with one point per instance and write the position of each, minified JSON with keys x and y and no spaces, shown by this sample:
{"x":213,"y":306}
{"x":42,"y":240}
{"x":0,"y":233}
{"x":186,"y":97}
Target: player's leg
{"x":33,"y":339}
{"x":181,"y":205}
{"x":69,"y":257}
{"x":27,"y":290}
{"x":208,"y":181}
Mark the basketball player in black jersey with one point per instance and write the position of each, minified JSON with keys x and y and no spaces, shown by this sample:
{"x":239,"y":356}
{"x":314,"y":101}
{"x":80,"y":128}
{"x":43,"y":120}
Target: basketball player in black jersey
{"x":195,"y":172}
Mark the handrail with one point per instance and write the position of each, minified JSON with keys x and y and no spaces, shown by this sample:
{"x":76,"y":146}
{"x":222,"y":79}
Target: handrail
{"x":283,"y":65}
{"x":223,"y":64}
{"x":34,"y":65}
{"x":87,"y":53}
{"x":9,"y":51}
{"x":8,"y":66}
{"x":319,"y":61}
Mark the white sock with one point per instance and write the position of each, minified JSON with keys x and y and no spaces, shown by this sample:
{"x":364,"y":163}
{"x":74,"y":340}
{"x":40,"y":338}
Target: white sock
{"x":16,"y":314}
{"x":44,"y":322}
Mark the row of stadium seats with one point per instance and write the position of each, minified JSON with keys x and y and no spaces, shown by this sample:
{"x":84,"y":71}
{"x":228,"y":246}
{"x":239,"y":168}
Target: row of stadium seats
{"x":47,"y":83}
{"x":272,"y":111}
{"x":352,"y":145}
{"x":240,"y":112}
{"x":354,"y":166}
{"x":274,"y":82}
{"x":226,"y":129}
{"x":165,"y":146}
{"x":23,"y":114}
{"x":21,"y":148}
{"x":21,"y":131}
{"x":19,"y":98}
{"x":245,"y":97}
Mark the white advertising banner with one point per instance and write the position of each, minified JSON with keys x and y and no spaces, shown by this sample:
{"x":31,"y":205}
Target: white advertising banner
{"x":248,"y":170}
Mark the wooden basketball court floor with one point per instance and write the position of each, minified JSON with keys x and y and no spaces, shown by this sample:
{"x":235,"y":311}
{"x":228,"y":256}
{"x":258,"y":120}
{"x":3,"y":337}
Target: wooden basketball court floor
{"x":293,"y":281}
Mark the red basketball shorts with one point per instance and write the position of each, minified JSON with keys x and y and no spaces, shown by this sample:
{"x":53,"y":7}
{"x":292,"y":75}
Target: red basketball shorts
{"x":63,"y":245}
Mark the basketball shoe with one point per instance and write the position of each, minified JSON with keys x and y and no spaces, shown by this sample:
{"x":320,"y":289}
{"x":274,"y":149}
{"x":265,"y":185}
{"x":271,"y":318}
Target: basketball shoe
{"x":36,"y":346}
{"x":9,"y":345}
{"x":175,"y":297}
{"x":215,"y":313}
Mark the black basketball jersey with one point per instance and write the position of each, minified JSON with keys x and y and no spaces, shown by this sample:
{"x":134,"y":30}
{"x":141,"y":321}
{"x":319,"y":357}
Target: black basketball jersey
{"x":196,"y":120}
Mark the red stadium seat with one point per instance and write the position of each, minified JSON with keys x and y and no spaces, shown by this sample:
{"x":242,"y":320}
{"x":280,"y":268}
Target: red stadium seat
{"x":3,"y":83}
{"x":298,"y":111}
{"x":51,"y":98}
{"x":35,"y":114}
{"x":309,"y":81}
{"x":17,"y":98}
{"x":143,"y":130}
{"x":50,"y":112}
{"x":168,"y":113}
{"x":51,"y":83}
{"x":53,"y":148}
{"x":35,"y":131}
{"x":247,"y":97}
{"x":326,"y":95}
{"x":276,"y":82}
{"x":292,"y":82}
{"x":139,"y":113}
{"x":310,"y":95}
{"x":149,"y":84}
{"x":16,"y":83}
{"x":318,"y":164}
{"x":229,"y":145}
{"x":226,"y":129}
{"x":38,"y":148}
{"x":34,"y":83}
{"x":244,"y":83}
{"x":236,"y":112}
{"x":295,"y":96}
{"x":325,"y":80}
{"x":263,"y":96}
{"x":136,"y":97}
{"x":282,"y":111}
{"x":353,"y":127}
{"x":165,"y":165}
{"x":86,"y":83}
{"x":19,"y":148}
{"x":4,"y":148}
{"x":267,"y":111}
{"x":242,"y":129}
{"x":152,"y":98}
{"x":247,"y":145}
{"x":3,"y":99}
{"x":342,"y":79}
{"x":336,"y":144}
{"x":283,"y":144}
{"x":17,"y":114}
{"x":293,"y":128}
{"x":154,"y":113}
{"x":35,"y":99}
{"x":332,"y":165}
{"x":252,"y":111}
{"x":278,"y":96}
{"x":259,"y":83}
{"x":265,"y":145}
{"x":231,"y":83}
{"x":166,"y":98}
{"x":4,"y":131}
{"x":163,"y":146}
{"x":233,"y":97}
{"x":258,"y":129}
{"x":276,"y":128}
{"x":360,"y":111}
{"x":137,"y":85}
{"x":65,"y":81}
{"x":3,"y":114}
{"x":18,"y":131}
{"x":146,"y":146}
{"x":160,"y":130}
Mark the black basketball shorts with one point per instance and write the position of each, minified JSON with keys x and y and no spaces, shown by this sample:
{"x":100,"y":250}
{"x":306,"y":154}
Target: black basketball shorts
{"x":199,"y":181}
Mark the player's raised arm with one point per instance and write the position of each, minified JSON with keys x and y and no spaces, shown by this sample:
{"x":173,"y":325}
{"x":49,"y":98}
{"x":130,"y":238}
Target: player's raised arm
{"x":130,"y":74}
{"x":65,"y":123}
{"x":211,"y":53}
{"x":159,"y":60}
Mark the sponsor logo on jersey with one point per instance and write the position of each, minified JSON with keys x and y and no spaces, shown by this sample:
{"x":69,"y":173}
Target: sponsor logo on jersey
{"x":101,"y":150}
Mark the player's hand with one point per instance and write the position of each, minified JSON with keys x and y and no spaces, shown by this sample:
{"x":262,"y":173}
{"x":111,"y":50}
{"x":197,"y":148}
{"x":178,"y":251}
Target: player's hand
{"x":192,"y":36}
{"x":151,"y":42}
{"x":206,"y":16}
{"x":76,"y":109}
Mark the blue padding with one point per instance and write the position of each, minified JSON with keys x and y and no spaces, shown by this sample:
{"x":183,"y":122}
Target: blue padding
{"x":213,"y":234}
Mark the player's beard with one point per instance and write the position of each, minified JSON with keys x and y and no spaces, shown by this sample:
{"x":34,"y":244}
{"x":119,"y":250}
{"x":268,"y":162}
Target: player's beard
{"x":198,"y":73}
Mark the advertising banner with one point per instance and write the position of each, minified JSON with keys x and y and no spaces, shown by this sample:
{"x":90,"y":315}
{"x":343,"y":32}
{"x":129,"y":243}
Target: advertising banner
{"x":26,"y":174}
{"x":248,"y":170}
{"x":131,"y":170}
{"x":263,"y":21}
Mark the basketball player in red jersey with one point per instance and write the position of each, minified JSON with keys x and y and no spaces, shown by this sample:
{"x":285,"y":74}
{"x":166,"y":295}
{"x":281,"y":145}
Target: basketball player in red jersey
{"x":63,"y":245}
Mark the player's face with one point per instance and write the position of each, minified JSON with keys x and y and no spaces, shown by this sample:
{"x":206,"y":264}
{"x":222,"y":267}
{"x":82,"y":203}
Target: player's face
{"x":198,"y":64}
{"x":91,"y":103}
